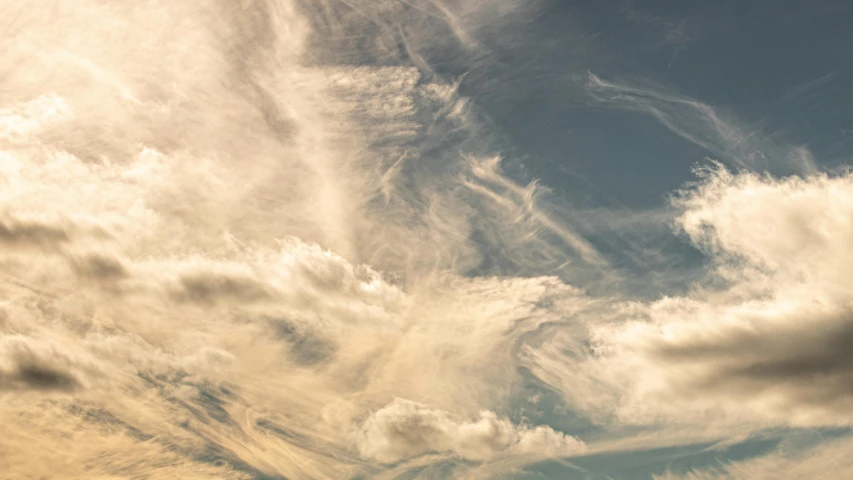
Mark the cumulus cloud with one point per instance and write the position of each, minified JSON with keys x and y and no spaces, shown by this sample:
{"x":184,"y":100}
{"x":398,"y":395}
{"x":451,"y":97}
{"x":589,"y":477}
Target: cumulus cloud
{"x":230,"y":230}
{"x":764,"y":339}
{"x":405,"y":429}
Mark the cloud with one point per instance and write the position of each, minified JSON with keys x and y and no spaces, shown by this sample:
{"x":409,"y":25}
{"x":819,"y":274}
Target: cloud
{"x":826,"y":460}
{"x":770,"y":222}
{"x":763,"y":339}
{"x":27,"y":363}
{"x":23,"y":119}
{"x":404,"y":429}
{"x":230,"y":234}
{"x":44,"y":438}
{"x":794,"y":92}
{"x":18,"y":234}
{"x":181,"y":361}
{"x":179,"y":342}
{"x":722,"y":135}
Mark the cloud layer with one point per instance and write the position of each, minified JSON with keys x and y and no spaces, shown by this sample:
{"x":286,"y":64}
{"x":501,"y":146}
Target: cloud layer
{"x":270,"y":240}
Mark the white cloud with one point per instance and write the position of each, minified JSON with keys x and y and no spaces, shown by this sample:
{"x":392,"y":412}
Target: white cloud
{"x":763,"y":341}
{"x":17,"y":123}
{"x":404,"y":429}
{"x":726,"y":138}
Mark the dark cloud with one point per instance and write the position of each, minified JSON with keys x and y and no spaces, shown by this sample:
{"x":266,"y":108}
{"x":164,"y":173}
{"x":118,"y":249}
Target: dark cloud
{"x":810,"y":361}
{"x":100,"y":267}
{"x":37,"y":377}
{"x":204,"y":287}
{"x":31,"y":235}
{"x":306,"y":347}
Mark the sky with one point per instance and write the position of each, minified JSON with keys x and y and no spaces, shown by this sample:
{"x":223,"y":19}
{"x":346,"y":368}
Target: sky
{"x":405,"y":239}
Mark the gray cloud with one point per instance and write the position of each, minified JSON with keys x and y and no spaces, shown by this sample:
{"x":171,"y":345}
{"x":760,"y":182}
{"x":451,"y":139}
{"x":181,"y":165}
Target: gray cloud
{"x":28,"y":363}
{"x":306,"y":347}
{"x":207,"y":288}
{"x":37,"y":377}
{"x":22,"y":234}
{"x":99,"y":266}
{"x":808,"y":361}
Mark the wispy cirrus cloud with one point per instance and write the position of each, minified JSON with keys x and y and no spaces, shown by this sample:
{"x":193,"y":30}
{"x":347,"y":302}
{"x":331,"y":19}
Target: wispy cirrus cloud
{"x":721,"y":135}
{"x":674,"y":32}
{"x":827,"y":460}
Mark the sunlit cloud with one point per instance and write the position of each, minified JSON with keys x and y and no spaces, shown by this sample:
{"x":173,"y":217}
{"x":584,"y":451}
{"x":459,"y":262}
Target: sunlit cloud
{"x":273,"y":239}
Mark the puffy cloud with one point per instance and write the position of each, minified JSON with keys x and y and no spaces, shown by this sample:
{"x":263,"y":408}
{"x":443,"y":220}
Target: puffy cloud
{"x":404,"y":429}
{"x":24,"y":119}
{"x":183,"y":294}
{"x":27,"y":363}
{"x":765,"y":338}
{"x":176,"y":345}
{"x":796,"y":227}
